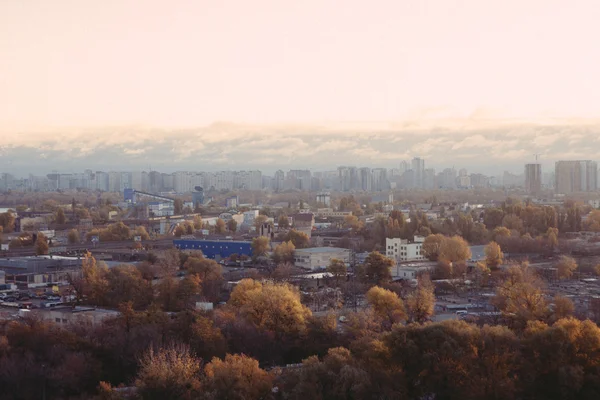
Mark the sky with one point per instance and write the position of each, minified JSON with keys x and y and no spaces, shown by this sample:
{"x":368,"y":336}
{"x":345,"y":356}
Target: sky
{"x":69,"y":65}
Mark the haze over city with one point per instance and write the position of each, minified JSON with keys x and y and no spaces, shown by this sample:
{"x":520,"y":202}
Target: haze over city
{"x":270,"y":84}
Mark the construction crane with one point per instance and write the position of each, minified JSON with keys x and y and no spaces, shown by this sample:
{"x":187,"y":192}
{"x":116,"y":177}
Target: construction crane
{"x":537,"y":155}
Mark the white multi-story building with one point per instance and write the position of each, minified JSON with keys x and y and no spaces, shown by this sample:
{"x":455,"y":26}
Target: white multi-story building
{"x":401,"y":250}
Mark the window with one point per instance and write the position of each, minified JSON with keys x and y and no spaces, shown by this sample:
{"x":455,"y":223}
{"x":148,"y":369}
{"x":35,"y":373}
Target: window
{"x":64,"y":321}
{"x":57,"y":320}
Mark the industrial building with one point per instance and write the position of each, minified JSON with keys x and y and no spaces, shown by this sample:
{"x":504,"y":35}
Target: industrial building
{"x":319,"y":257}
{"x":36,"y":270}
{"x":215,"y":249}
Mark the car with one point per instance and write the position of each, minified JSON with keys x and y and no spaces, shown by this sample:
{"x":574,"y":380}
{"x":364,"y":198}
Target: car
{"x":461,"y":312}
{"x":10,"y":299}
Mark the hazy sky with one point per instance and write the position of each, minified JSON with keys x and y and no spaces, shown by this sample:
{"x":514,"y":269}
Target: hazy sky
{"x":189,"y":63}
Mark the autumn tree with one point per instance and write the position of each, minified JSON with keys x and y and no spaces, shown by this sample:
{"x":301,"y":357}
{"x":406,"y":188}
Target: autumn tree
{"x":41,"y":244}
{"x":284,"y":252}
{"x":455,"y":250}
{"x":210,"y":274}
{"x":565,"y":267}
{"x":260,"y":246}
{"x":337,"y":268}
{"x":520,"y":293}
{"x":197,"y":222}
{"x":59,"y":217}
{"x":432,"y":246}
{"x":270,"y":306}
{"x":237,"y":377}
{"x":299,"y":239}
{"x":352,"y":222}
{"x":73,"y":236}
{"x":563,"y":307}
{"x":179,"y":231}
{"x":421,"y":302}
{"x":500,"y":232}
{"x":169,"y":373}
{"x":220,"y":226}
{"x":283,"y":221}
{"x":178,"y":207}
{"x":552,"y":236}
{"x":141,"y":232}
{"x":7,"y":221}
{"x":232,"y":225}
{"x":493,"y":255}
{"x":259,"y":221}
{"x":388,"y":307}
{"x":377,"y":268}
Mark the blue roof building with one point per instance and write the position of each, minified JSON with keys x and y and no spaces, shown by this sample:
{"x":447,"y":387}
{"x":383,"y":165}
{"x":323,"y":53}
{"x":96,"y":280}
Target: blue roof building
{"x":215,"y":249}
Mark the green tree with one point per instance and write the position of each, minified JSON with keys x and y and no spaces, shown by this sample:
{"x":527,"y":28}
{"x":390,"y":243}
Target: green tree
{"x":377,"y":268}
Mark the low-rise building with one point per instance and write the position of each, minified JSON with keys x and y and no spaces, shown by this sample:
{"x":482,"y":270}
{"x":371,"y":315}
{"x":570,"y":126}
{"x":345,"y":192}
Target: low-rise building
{"x":330,"y":213}
{"x":319,"y":257}
{"x":66,"y":315}
{"x":401,"y":250}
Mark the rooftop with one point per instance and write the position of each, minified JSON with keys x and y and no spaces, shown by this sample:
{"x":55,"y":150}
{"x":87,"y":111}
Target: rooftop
{"x":323,"y":249}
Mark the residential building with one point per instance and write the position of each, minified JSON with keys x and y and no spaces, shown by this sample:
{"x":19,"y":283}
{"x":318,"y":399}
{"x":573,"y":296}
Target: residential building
{"x":576,"y":176}
{"x":402,"y":250}
{"x":324,"y":199}
{"x":418,"y":167}
{"x":533,"y":178}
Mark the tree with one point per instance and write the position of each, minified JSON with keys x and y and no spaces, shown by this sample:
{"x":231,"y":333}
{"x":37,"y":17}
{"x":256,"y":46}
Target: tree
{"x":565,"y":267}
{"x":352,"y":222}
{"x":197,"y":222}
{"x":232,"y":225}
{"x":299,"y":239}
{"x":141,"y":232}
{"x":259,"y":221}
{"x":73,"y":236}
{"x":377,"y":268}
{"x":270,"y":306}
{"x":338,"y":269}
{"x":493,"y":255}
{"x":41,"y":244}
{"x":260,"y":246}
{"x":283,"y":221}
{"x":220,"y":226}
{"x":178,"y":207}
{"x":520,"y":293}
{"x":237,"y":377}
{"x":60,"y":217}
{"x":420,"y":303}
{"x":387,"y":305}
{"x":210,"y":274}
{"x":432,"y":246}
{"x":563,"y":307}
{"x":284,"y":252}
{"x":169,"y":373}
{"x":500,"y":232}
{"x":179,"y":231}
{"x":7,"y":221}
{"x":455,"y":250}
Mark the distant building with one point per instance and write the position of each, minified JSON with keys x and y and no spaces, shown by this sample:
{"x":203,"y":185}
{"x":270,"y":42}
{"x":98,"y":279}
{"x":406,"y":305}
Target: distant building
{"x":401,"y":250}
{"x":533,"y":178}
{"x":418,"y":167}
{"x":82,"y":316}
{"x":319,"y":257}
{"x":198,"y":196}
{"x":215,"y":249}
{"x":324,"y":199}
{"x":303,"y":222}
{"x":576,"y":176}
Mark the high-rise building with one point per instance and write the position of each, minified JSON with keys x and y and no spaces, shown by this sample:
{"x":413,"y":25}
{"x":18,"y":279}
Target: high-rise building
{"x":278,"y":180}
{"x":576,"y":176}
{"x":366,"y":179}
{"x":533,"y":178}
{"x":418,"y":167}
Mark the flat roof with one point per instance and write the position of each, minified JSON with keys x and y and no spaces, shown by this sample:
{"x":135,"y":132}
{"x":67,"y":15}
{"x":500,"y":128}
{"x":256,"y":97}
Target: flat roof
{"x":323,"y":249}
